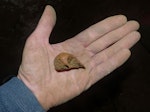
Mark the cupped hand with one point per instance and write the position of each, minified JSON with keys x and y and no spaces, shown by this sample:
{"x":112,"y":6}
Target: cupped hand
{"x":101,"y":48}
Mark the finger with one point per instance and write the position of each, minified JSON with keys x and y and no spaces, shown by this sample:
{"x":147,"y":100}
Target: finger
{"x":108,"y":66}
{"x":45,"y":24}
{"x":113,"y":37}
{"x":125,"y":43}
{"x":128,"y":41}
{"x":96,"y":31}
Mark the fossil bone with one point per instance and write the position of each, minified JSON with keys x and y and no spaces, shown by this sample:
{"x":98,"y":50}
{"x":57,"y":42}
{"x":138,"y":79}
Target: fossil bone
{"x":65,"y":61}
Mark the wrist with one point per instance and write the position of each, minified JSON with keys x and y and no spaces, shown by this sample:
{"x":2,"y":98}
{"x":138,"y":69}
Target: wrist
{"x":16,"y":96}
{"x":37,"y":92}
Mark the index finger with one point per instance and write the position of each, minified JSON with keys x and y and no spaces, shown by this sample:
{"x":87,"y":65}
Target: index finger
{"x":101,"y":28}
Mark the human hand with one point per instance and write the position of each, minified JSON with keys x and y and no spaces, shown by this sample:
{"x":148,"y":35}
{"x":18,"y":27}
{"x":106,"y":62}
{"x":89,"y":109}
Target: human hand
{"x":101,"y":48}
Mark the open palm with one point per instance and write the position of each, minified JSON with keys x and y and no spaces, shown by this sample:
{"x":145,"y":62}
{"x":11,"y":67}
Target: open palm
{"x":101,"y":48}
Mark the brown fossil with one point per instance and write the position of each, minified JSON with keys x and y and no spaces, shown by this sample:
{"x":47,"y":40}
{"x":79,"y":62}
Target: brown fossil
{"x":65,"y":61}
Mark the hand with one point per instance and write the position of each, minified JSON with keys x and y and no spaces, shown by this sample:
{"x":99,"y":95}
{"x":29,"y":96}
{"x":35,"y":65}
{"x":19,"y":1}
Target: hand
{"x":101,"y":48}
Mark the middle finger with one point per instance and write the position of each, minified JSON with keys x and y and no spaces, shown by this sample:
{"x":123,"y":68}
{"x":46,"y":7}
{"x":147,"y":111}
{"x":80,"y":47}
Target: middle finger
{"x":125,"y":43}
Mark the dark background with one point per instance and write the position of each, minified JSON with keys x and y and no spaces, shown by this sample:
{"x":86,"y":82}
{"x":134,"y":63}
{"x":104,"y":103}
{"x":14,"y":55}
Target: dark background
{"x":127,"y":89}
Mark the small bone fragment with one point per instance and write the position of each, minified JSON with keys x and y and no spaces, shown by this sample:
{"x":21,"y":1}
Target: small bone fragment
{"x":66,"y":61}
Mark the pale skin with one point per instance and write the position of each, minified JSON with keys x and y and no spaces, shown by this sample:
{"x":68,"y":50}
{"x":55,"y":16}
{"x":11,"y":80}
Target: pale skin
{"x":101,"y":48}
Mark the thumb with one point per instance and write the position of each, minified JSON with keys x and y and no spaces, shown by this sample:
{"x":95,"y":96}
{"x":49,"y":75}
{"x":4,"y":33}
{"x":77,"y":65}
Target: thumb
{"x":45,"y":25}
